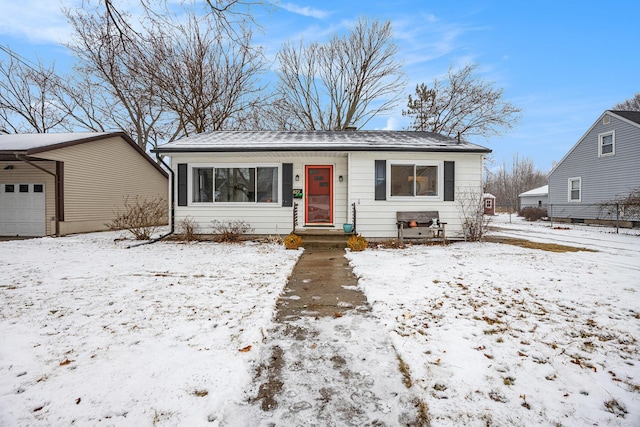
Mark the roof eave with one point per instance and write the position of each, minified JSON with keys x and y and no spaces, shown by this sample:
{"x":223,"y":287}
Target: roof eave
{"x":309,"y":149}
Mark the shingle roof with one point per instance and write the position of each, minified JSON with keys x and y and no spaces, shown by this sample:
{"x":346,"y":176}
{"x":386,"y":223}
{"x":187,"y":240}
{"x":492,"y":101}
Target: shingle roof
{"x":12,"y":146}
{"x":247,"y":141}
{"x":634,"y":116}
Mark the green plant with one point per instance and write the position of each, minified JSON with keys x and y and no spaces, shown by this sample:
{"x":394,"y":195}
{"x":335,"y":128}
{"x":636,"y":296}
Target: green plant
{"x":230,"y":231}
{"x":293,"y":241}
{"x":357,"y":243}
{"x":142,"y":217}
{"x":188,"y":229}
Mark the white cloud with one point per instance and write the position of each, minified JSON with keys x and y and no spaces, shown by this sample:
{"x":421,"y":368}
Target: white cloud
{"x":35,"y":20}
{"x":304,"y":10}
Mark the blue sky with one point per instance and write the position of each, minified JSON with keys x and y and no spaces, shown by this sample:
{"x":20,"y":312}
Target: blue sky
{"x":563,"y":62}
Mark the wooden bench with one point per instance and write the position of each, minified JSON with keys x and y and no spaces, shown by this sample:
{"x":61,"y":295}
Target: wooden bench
{"x":420,"y":225}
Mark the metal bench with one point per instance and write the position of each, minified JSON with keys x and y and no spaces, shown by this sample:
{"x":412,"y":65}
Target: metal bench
{"x":420,"y":225}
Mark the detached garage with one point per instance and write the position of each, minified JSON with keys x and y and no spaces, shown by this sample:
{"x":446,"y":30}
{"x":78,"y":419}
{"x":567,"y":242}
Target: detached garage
{"x":64,"y":183}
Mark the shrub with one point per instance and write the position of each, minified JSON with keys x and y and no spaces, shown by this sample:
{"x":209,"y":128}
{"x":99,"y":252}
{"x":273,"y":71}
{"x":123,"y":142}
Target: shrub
{"x":230,"y":231}
{"x":293,"y":241}
{"x":142,"y":217}
{"x":357,"y":243}
{"x":188,"y":229}
{"x":531,"y":213}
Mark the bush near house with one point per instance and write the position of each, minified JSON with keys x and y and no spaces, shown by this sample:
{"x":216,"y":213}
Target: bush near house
{"x":142,"y":217}
{"x":533,"y":214}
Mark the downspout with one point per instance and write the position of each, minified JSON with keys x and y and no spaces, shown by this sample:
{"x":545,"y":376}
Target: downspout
{"x":172,"y":183}
{"x":55,"y":190}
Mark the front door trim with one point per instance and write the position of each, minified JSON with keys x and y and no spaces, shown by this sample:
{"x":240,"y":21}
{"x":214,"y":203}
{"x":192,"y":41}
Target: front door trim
{"x":318,"y":205}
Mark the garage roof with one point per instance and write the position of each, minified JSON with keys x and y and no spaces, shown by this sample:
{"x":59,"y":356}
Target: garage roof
{"x":29,"y":144}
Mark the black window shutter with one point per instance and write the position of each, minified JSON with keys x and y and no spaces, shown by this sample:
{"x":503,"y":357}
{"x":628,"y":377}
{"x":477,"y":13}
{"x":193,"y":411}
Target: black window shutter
{"x":287,"y":184}
{"x":381,"y":179}
{"x":449,"y":181}
{"x":182,"y":184}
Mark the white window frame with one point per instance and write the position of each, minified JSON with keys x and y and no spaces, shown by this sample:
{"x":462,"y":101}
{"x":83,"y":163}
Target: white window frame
{"x":438,"y":164}
{"x":601,"y":137}
{"x":570,"y":181}
{"x":488,"y":203}
{"x":193,"y":166}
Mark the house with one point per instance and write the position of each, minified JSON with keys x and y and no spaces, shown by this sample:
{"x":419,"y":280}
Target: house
{"x":489,"y":204}
{"x":63,"y":183}
{"x":602,"y":166}
{"x":535,"y":198}
{"x":280,"y":181}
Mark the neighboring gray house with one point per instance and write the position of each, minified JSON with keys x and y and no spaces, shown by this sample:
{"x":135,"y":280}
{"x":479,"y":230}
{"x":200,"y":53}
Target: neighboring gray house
{"x":536,"y":198}
{"x":264,"y":178}
{"x":603,"y":165}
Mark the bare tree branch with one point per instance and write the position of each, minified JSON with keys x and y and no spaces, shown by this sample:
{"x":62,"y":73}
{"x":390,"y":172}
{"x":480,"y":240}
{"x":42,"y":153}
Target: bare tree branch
{"x":464,"y":106}
{"x":342,"y":83}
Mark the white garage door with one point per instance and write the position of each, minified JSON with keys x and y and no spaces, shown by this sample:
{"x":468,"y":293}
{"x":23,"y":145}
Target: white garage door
{"x":22,"y":210}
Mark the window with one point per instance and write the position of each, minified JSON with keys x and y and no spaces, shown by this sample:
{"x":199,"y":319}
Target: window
{"x":24,"y":188}
{"x":575,"y":189}
{"x":9,"y":188}
{"x":606,"y":144}
{"x":411,"y":180}
{"x":247,"y":184}
{"x":38,"y":188}
{"x":488,"y":203}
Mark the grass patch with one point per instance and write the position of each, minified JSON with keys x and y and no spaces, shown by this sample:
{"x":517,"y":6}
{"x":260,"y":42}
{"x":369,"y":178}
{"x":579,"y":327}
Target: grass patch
{"x":551,"y":247}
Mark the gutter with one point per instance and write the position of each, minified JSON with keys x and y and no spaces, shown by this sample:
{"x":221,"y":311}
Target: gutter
{"x":172,"y":221}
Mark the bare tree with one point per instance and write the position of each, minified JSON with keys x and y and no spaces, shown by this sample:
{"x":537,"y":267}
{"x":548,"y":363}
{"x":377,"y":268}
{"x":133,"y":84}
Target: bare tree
{"x":342,"y":83}
{"x":464,"y":106}
{"x":631,"y":104}
{"x":161,"y":76}
{"x":28,"y":95}
{"x":508,"y":183}
{"x":206,"y":81}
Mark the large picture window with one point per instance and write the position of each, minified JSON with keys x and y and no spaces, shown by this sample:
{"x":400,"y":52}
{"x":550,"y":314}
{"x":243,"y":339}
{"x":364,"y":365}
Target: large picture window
{"x":246,"y":184}
{"x":413,"y":180}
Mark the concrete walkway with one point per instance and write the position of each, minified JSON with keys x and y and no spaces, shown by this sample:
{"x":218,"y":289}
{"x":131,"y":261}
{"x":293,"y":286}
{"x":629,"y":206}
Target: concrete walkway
{"x":321,"y":284}
{"x":327,"y":361}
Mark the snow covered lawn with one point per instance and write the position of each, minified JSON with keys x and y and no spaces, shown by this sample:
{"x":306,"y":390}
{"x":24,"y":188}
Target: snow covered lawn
{"x":92,"y":333}
{"x":495,"y":334}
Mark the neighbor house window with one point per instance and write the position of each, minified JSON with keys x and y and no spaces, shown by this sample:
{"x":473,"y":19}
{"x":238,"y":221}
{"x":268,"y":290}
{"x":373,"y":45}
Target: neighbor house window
{"x":488,"y":203}
{"x":607,"y":144}
{"x":575,"y":189}
{"x":247,"y":184}
{"x":414,"y":180}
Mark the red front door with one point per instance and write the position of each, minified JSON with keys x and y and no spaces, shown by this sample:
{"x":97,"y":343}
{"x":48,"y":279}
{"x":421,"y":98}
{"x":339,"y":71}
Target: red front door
{"x":319,"y":191}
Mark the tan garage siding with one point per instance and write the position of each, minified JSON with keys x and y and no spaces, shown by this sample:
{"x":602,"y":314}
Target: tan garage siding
{"x":23,"y":173}
{"x":97,"y":178}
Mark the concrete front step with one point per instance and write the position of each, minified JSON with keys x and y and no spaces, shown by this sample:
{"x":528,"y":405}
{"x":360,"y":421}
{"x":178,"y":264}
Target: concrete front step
{"x":323,"y":239}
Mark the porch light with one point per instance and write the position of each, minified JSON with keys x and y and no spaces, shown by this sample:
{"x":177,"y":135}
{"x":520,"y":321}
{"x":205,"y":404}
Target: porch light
{"x":340,"y":178}
{"x":297,"y":177}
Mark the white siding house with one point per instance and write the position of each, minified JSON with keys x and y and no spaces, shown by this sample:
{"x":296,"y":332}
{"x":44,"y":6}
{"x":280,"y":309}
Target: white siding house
{"x":535,"y":198}
{"x":604,"y":165}
{"x":325,"y":176}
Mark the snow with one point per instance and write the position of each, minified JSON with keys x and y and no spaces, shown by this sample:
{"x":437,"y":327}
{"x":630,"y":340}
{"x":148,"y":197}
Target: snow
{"x":96,"y":334}
{"x":92,"y":333}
